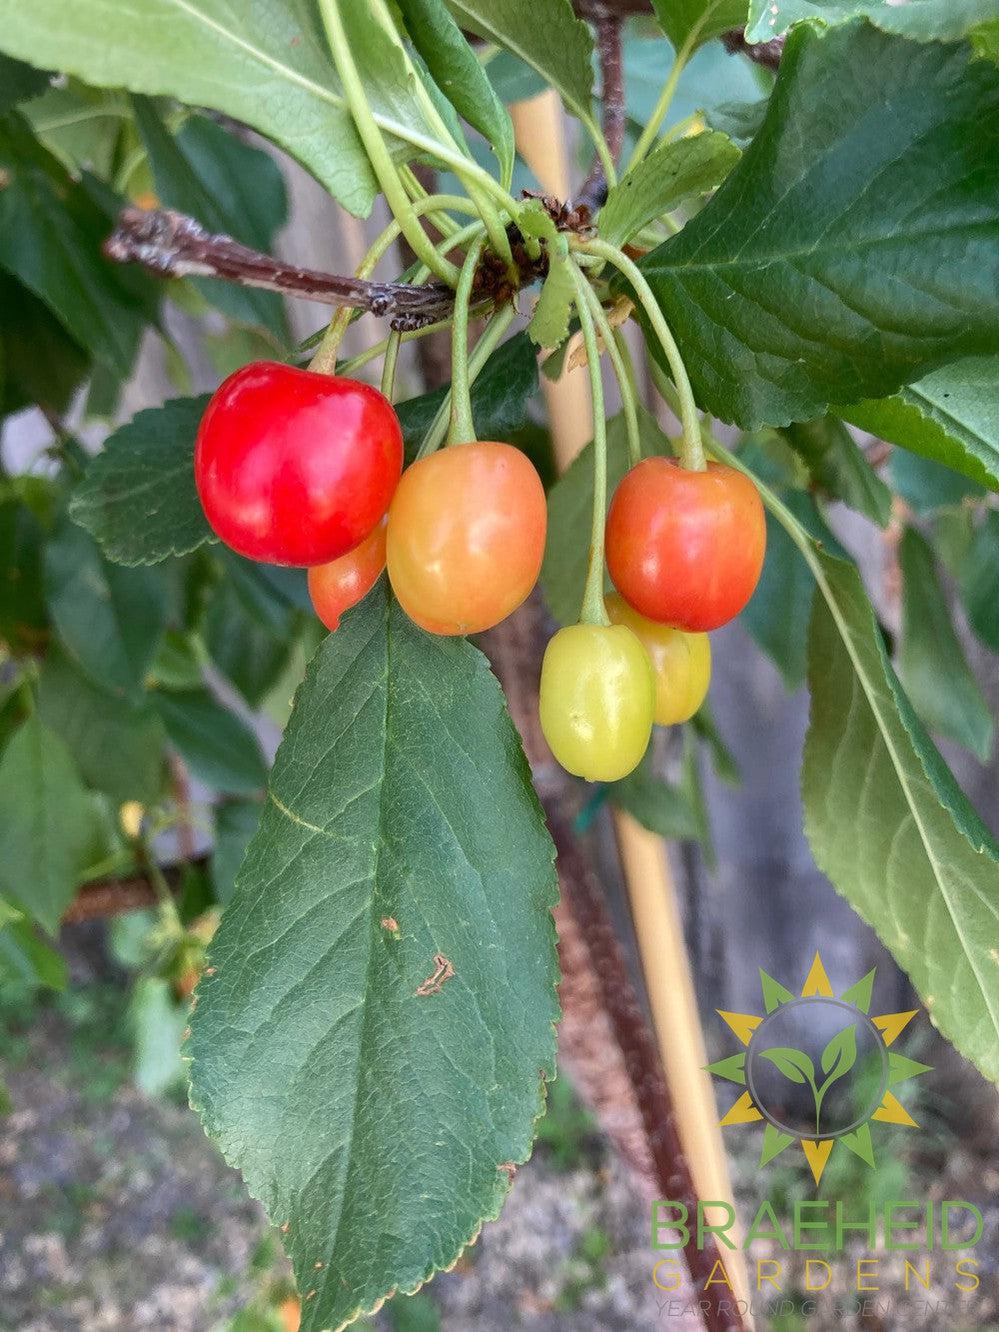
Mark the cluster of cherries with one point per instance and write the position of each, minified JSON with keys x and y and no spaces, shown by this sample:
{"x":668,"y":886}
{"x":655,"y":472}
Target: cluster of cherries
{"x":298,"y":468}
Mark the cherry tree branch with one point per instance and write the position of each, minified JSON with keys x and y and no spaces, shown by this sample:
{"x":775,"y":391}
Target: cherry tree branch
{"x":593,"y":191}
{"x":173,"y":245}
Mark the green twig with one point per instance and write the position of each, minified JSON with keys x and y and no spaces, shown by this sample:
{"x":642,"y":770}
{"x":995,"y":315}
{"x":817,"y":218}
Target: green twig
{"x":484,"y":348}
{"x":462,"y":428}
{"x":624,"y":380}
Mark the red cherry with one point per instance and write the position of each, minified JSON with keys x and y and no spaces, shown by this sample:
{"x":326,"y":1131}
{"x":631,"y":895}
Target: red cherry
{"x":294,"y":467}
{"x":342,"y":583}
{"x":686,"y":548}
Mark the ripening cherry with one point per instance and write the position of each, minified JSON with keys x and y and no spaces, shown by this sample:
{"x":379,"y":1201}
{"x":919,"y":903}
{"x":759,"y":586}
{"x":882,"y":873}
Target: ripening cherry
{"x":681,"y":662}
{"x":596,"y":700}
{"x":466,"y":535}
{"x":294,"y":467}
{"x":342,"y":583}
{"x":686,"y":548}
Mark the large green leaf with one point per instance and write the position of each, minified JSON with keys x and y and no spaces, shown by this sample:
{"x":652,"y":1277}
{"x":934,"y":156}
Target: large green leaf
{"x":914,"y":18}
{"x":662,"y":808}
{"x":457,"y":70}
{"x":697,"y":21}
{"x":853,"y":248}
{"x":39,"y":361}
{"x":229,"y":187}
{"x":49,"y":829}
{"x":547,"y":35}
{"x":375,"y":1113}
{"x":51,"y":230}
{"x":109,"y":619}
{"x":138,"y":496}
{"x":264,"y":64}
{"x":889,"y":825}
{"x":673,"y":172}
{"x":950,"y":416}
{"x":978,"y":578}
{"x":932,"y":663}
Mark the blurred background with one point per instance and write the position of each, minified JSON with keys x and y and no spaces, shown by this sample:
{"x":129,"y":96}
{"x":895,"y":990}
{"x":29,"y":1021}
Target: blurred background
{"x":115,"y":1210}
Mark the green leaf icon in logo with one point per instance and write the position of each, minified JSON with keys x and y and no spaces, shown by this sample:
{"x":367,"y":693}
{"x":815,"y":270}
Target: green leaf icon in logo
{"x":839,"y":1056}
{"x":794,"y":1064}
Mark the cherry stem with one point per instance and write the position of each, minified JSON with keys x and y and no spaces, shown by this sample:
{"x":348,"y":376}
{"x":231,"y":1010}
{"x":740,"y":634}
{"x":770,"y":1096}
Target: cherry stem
{"x":484,"y":348}
{"x":377,"y":150}
{"x":627,"y":388}
{"x":389,"y":364}
{"x":462,"y":427}
{"x":662,"y":106}
{"x":593,"y":610}
{"x":691,"y":448}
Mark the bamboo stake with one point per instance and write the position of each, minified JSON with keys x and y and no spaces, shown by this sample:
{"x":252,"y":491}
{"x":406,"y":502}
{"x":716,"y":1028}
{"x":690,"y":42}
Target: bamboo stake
{"x":540,"y":134}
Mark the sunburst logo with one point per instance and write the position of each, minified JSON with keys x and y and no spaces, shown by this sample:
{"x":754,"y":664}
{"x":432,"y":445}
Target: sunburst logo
{"x":841,"y":1080}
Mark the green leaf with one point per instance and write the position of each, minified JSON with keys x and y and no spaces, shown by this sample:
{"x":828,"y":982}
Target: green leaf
{"x":39,"y":361}
{"x":108,"y":618}
{"x":741,"y":121}
{"x":698,"y":20}
{"x":889,"y":825}
{"x":222,"y":183}
{"x":570,"y":506}
{"x":219,"y":749}
{"x":852,"y":248}
{"x":839,"y":1056}
{"x":658,"y":806}
{"x":778,"y":613}
{"x":119,"y":748}
{"x":19,"y":82}
{"x":51,"y":232}
{"x":549,"y":326}
{"x":548,"y":37}
{"x":836,"y":462}
{"x":460,"y":76}
{"x":49,"y":829}
{"x":932,"y":663}
{"x":26,"y":957}
{"x":978,"y":579}
{"x":927,"y":486}
{"x":265,"y":65}
{"x":158,"y":1023}
{"x":249,"y":653}
{"x":922,"y":19}
{"x":83,"y":127}
{"x":672,"y":173}
{"x":22,"y":606}
{"x":235,"y":823}
{"x":794,"y":1064}
{"x":401,"y":827}
{"x":138,"y":496}
{"x":949,"y":417}
{"x":722,"y":758}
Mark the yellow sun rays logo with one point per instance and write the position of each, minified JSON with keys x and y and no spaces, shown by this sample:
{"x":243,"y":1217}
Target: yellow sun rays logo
{"x":845,"y":1041}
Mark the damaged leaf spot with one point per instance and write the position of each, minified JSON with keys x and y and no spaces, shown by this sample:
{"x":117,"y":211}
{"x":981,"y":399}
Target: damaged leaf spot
{"x":443,"y":971}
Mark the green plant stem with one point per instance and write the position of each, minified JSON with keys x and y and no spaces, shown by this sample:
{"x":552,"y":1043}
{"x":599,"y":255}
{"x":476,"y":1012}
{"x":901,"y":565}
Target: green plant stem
{"x":393,"y":343}
{"x":624,"y":380}
{"x":484,"y":348}
{"x":593,"y":610}
{"x":691,"y":448}
{"x":662,"y":106}
{"x":444,"y":224}
{"x":462,"y":428}
{"x":603,"y":150}
{"x":377,"y":150}
{"x":324,"y":360}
